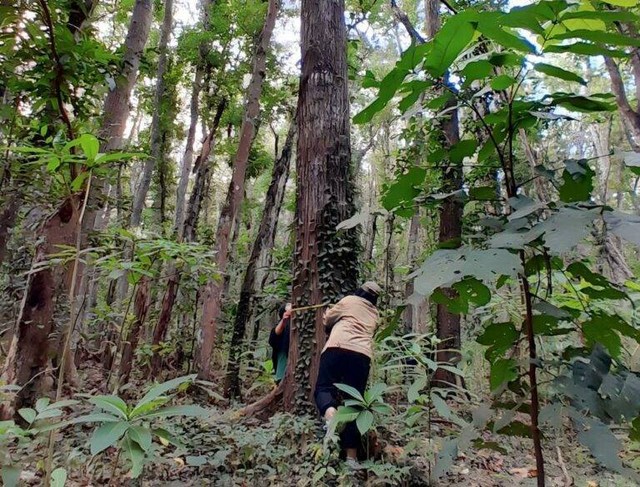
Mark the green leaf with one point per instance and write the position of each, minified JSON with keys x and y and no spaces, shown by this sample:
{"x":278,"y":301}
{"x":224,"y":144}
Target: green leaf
{"x":491,"y":26}
{"x":634,"y":432}
{"x":502,"y":371}
{"x":624,"y":225}
{"x":392,"y":326}
{"x":90,"y":145}
{"x":556,"y":72}
{"x":96,"y":418}
{"x":28,"y":414}
{"x":598,"y":330}
{"x":611,"y":38}
{"x":445,"y":267}
{"x":107,"y":435}
{"x":448,"y":43}
{"x":42,"y":403}
{"x":161,"y":389}
{"x":112,"y":404}
{"x":585,"y":49}
{"x":577,"y":182}
{"x":190,"y":410}
{"x":483,"y":193}
{"x":622,"y":3}
{"x":345,"y":415}
{"x":141,"y":435}
{"x":603,"y":15}
{"x":464,"y":148}
{"x":499,"y":335}
{"x":364,"y":421}
{"x":502,"y":82}
{"x":582,"y":103}
{"x":58,"y":477}
{"x":476,"y":70}
{"x":135,"y":455}
{"x":632,"y":161}
{"x":413,"y":394}
{"x":352,"y":391}
{"x":10,"y":475}
{"x":404,"y":189}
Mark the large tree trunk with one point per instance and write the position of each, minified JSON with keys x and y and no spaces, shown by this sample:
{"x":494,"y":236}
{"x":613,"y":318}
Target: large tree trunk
{"x":28,"y":362}
{"x":213,"y":290}
{"x":265,"y":235}
{"x":630,"y":116}
{"x":156,"y":129}
{"x":325,"y":261}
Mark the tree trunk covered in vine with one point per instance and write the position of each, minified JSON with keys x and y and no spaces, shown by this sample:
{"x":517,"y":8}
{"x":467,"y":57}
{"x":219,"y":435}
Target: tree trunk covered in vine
{"x":325,"y":260}
{"x":264,"y":237}
{"x":141,"y":306}
{"x":156,"y":120}
{"x":213,"y":290}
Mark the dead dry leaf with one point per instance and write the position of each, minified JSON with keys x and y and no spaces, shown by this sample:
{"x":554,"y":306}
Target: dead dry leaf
{"x":524,"y":472}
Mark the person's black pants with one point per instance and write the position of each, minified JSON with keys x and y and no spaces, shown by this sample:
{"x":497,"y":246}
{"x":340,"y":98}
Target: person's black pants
{"x":340,"y":366}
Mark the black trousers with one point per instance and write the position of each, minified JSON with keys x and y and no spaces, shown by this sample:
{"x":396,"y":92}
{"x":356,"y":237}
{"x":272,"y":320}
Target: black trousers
{"x":341,"y":366}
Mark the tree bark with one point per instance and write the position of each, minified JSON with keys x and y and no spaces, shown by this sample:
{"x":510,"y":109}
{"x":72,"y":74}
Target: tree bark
{"x":265,"y":236}
{"x":630,"y":116}
{"x":140,"y":308}
{"x":213,"y":290}
{"x":156,"y":122}
{"x":411,"y":311}
{"x":187,"y":158}
{"x":325,"y":261}
{"x":188,"y":234}
{"x":28,"y":362}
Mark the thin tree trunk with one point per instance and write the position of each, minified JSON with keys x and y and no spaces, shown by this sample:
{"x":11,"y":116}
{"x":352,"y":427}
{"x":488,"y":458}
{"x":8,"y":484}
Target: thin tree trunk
{"x":8,"y":217}
{"x":411,"y":311}
{"x":325,"y":260}
{"x":213,"y":290}
{"x":265,"y":235}
{"x":630,"y":116}
{"x":188,"y":234}
{"x":156,"y":129}
{"x":187,"y":158}
{"x":140,"y":309}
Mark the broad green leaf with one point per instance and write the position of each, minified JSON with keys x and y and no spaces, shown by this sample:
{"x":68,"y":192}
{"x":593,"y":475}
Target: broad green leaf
{"x":96,"y":418}
{"x":624,"y":225}
{"x":345,"y":415}
{"x":577,"y":182}
{"x":598,"y":330}
{"x":58,"y":477}
{"x":582,"y":103}
{"x":352,"y":391}
{"x":445,"y":267}
{"x":90,"y":145}
{"x":464,"y":148}
{"x":556,"y":72}
{"x":585,"y":49}
{"x":502,"y":371}
{"x":163,"y":388}
{"x":499,"y":337}
{"x":610,"y":38}
{"x":184,"y":410}
{"x":632,"y":161}
{"x":107,"y":435}
{"x":375,"y":392}
{"x":484,"y":193}
{"x":502,"y":82}
{"x":476,"y":70}
{"x":404,"y":189}
{"x":135,"y":455}
{"x":414,"y":390}
{"x":141,"y":435}
{"x":111,"y":404}
{"x":10,"y":475}
{"x":491,"y":27}
{"x":622,"y":3}
{"x":28,"y":414}
{"x":364,"y":421}
{"x":42,"y":403}
{"x":448,"y":43}
{"x":634,"y":432}
{"x":605,"y":16}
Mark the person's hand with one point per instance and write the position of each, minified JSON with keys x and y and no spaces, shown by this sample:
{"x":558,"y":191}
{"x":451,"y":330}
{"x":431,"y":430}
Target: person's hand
{"x":287,"y":314}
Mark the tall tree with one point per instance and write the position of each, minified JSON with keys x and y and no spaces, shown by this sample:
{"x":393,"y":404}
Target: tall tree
{"x":156,"y":121}
{"x":265,"y":236}
{"x":213,"y":290}
{"x":325,"y":260}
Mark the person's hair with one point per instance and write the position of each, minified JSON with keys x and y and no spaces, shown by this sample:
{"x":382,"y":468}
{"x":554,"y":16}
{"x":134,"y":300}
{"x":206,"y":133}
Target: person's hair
{"x":282,"y":309}
{"x":361,"y":293}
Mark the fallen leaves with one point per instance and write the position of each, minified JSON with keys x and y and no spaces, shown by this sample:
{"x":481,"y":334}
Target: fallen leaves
{"x":524,"y":472}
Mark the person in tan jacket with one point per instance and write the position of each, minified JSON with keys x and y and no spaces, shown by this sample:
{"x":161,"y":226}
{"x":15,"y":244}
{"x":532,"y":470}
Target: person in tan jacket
{"x":346,"y":357}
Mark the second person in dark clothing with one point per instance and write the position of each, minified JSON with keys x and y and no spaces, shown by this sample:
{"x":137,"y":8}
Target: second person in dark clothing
{"x":279,"y":341}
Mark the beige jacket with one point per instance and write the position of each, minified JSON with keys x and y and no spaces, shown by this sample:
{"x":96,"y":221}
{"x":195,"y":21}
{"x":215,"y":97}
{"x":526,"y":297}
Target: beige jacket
{"x":354,"y":322}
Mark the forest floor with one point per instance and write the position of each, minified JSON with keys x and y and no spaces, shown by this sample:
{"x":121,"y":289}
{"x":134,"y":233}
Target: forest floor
{"x":225,"y":449}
